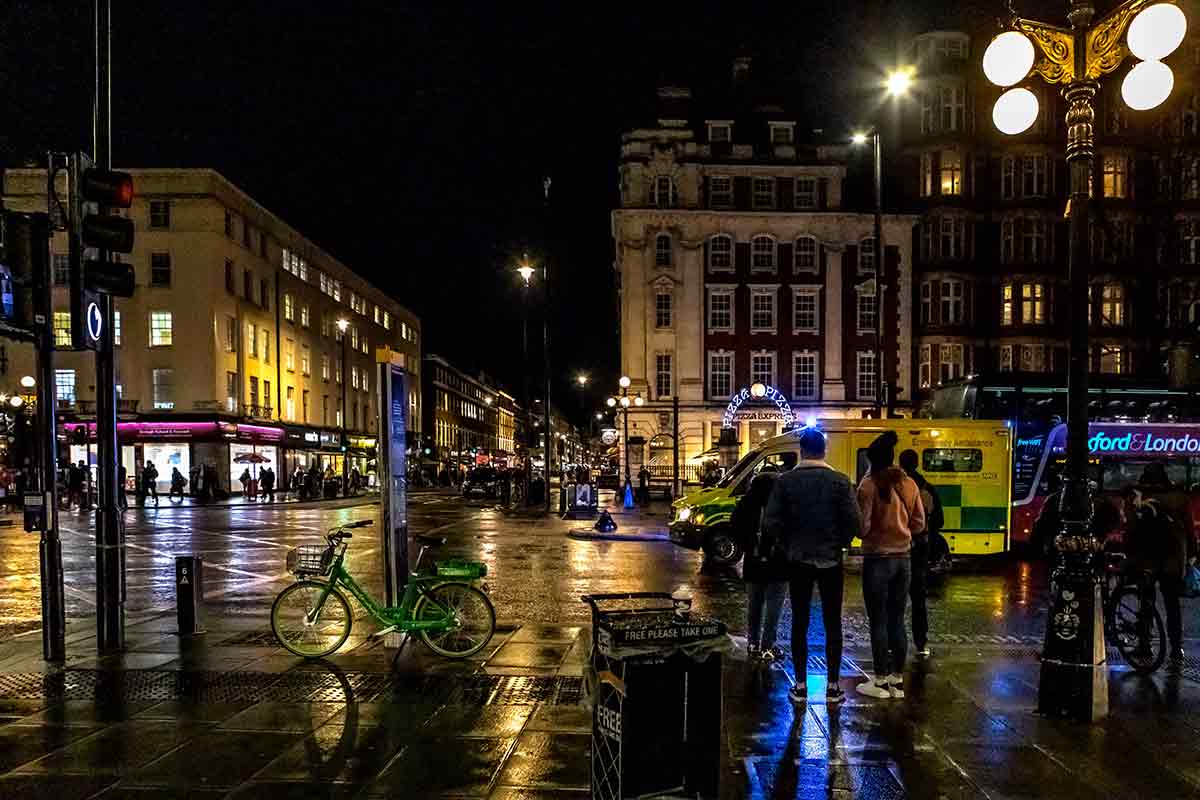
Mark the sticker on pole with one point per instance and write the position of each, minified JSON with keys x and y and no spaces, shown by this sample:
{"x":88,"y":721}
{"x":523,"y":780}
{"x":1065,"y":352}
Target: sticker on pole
{"x":95,"y":322}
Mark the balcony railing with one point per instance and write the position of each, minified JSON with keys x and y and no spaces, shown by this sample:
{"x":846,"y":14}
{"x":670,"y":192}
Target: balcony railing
{"x":256,"y":411}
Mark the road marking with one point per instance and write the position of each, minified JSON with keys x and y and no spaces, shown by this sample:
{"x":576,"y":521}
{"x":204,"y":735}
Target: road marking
{"x":80,"y":594}
{"x":212,"y":564}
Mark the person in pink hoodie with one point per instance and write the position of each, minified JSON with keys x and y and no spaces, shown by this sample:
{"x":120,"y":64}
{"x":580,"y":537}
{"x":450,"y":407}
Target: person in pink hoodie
{"x":890,"y":504}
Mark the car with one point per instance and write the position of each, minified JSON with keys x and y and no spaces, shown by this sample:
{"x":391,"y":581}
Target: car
{"x":481,"y":482}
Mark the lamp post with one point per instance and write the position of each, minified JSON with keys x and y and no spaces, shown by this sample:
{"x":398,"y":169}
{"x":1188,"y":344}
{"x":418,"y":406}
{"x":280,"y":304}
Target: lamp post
{"x":623,"y":400}
{"x":525,"y":270}
{"x":343,"y":325}
{"x":896,"y":85}
{"x":1073,"y":674}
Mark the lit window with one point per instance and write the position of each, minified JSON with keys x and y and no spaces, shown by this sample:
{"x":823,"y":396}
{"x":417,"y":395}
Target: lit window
{"x":1007,"y":302}
{"x":762,"y":310}
{"x":764,"y":193}
{"x":116,"y":328}
{"x":387,"y":320}
{"x":289,"y":308}
{"x":720,"y":191}
{"x":762,"y":253}
{"x":163,"y":384}
{"x":160,"y":329}
{"x":662,"y":250}
{"x":64,"y":386}
{"x":762,"y":368}
{"x":804,"y":375}
{"x":1112,"y":305}
{"x":305,"y":360}
{"x":866,"y":375}
{"x":805,"y":255}
{"x":1114,"y":360}
{"x":951,"y":172}
{"x":62,"y":328}
{"x":304,"y":316}
{"x":1114,"y":176}
{"x":264,"y":339}
{"x":720,"y":252}
{"x":662,"y":375}
{"x":924,"y":367}
{"x":720,"y":310}
{"x":720,"y":374}
{"x":806,"y":193}
{"x":806,"y":311}
{"x":289,"y":355}
{"x":290,"y":402}
{"x":662,"y":309}
{"x":251,"y":340}
{"x":1033,"y":303}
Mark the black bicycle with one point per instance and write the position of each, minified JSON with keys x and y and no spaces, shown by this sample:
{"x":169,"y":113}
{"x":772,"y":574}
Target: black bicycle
{"x":1131,"y":620}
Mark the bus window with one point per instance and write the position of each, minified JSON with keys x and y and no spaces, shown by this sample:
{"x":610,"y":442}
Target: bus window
{"x":952,"y":459}
{"x":1121,"y":473}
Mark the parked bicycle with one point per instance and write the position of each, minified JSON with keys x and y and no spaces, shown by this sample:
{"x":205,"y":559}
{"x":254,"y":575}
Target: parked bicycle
{"x":1131,"y":623}
{"x":447,"y":608}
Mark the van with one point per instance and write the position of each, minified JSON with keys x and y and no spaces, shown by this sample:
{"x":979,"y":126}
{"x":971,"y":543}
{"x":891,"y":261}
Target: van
{"x":969,"y":463}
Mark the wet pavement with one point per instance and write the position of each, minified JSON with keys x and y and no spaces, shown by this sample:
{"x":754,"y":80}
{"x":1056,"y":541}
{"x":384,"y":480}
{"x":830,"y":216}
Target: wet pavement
{"x":230,"y":714}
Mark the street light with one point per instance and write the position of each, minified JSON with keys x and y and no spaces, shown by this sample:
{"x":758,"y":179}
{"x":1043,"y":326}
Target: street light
{"x":526,"y":270}
{"x":343,"y":325}
{"x":28,"y":382}
{"x":624,"y":400}
{"x":1073,"y":673}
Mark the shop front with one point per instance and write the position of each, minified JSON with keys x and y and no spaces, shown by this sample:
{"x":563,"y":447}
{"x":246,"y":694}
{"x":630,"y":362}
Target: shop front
{"x":361,"y":452}
{"x":186,"y":445}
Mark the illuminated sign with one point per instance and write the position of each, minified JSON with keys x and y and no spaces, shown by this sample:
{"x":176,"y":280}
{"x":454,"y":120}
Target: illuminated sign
{"x":95,"y":322}
{"x":1149,"y":439}
{"x":771,"y":394}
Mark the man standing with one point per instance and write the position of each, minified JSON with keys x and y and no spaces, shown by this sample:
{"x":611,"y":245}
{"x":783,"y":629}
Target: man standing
{"x":812,"y":513}
{"x":919,"y":584}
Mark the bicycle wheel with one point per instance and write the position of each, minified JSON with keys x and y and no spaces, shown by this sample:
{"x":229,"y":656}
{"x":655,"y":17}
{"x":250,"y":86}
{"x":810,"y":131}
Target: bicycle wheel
{"x":1144,"y":652}
{"x":473,"y":619}
{"x":304,"y":629}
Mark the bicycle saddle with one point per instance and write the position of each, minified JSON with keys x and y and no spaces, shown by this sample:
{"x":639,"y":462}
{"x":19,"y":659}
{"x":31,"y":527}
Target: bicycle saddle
{"x":430,"y":541}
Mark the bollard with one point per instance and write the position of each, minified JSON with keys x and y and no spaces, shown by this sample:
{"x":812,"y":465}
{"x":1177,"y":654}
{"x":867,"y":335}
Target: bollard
{"x":189,"y":593}
{"x":562,"y":499}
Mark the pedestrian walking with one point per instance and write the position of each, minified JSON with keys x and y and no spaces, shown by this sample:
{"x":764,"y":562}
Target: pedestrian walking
{"x":643,"y":486}
{"x":267,"y":479}
{"x":75,"y":485}
{"x":811,"y":513}
{"x":890,"y":503}
{"x":150,"y":482}
{"x":918,"y":587}
{"x":178,"y":482}
{"x":194,"y":479}
{"x":244,"y":479}
{"x":763,"y":568}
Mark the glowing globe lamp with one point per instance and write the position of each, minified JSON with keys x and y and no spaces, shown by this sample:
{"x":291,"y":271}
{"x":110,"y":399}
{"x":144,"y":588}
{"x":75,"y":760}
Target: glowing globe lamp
{"x":1015,"y":111}
{"x":1147,"y":85}
{"x":1156,"y":32}
{"x":1008,"y":58}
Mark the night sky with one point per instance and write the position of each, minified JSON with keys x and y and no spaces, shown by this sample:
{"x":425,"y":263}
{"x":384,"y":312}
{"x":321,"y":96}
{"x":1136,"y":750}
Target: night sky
{"x":410,"y":139}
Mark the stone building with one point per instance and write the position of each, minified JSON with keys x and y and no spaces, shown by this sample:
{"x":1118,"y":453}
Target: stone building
{"x":740,"y":261}
{"x":230,"y":344}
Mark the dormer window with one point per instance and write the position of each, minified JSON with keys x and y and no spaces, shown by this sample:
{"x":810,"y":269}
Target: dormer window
{"x":720,"y":132}
{"x":781,"y":132}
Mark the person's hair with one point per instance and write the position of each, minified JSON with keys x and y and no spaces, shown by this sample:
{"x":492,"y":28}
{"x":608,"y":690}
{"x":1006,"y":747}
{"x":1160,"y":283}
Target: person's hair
{"x":812,"y":443}
{"x":908,"y":461}
{"x":882,"y":454}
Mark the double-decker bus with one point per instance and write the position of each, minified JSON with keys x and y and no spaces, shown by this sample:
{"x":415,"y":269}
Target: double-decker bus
{"x":1130,"y":428}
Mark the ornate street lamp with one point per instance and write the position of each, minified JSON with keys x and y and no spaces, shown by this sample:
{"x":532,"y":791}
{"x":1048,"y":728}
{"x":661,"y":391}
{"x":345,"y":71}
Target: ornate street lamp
{"x":625,"y":401}
{"x":1074,"y":676}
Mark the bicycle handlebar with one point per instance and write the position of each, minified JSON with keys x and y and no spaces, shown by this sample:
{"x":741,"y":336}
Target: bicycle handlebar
{"x":362,"y":523}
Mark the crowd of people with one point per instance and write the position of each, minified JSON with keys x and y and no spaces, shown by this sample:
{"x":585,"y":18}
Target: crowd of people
{"x":795,"y":523}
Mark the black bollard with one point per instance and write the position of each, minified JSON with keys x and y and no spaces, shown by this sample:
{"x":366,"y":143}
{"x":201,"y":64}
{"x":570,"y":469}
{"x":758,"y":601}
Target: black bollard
{"x":189,"y":593}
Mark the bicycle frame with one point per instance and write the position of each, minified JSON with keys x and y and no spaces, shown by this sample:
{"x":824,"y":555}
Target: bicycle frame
{"x":399,"y":616}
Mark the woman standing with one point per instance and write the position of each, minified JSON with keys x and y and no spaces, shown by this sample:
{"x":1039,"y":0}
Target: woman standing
{"x":763,"y":571}
{"x":890,"y":503}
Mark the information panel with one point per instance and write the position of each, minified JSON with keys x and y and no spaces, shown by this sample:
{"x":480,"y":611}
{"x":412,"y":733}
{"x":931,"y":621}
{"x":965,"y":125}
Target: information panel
{"x":392,"y":381}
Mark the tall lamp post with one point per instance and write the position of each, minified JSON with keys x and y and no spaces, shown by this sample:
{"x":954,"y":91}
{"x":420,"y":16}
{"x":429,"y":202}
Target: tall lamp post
{"x":896,"y":85}
{"x":623,"y":400}
{"x":1073,"y":674}
{"x":343,"y":325}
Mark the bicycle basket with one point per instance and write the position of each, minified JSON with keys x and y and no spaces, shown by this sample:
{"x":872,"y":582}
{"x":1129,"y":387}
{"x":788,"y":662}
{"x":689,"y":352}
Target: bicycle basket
{"x":310,"y":559}
{"x":456,"y":568}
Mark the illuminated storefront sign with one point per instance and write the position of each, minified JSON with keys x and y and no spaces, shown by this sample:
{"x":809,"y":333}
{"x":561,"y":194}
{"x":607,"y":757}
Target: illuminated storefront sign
{"x":758,"y":392}
{"x":183,"y":431}
{"x":1150,"y":439}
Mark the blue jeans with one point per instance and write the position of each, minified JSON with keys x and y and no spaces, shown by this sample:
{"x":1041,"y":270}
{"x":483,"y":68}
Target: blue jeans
{"x":766,"y":597}
{"x":885,"y":590}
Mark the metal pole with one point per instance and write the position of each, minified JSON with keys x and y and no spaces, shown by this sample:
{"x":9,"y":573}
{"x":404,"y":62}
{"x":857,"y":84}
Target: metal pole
{"x":546,"y":337}
{"x":50,"y":545}
{"x":110,"y":528}
{"x":345,"y":411}
{"x":881,"y":383}
{"x":1074,"y":677}
{"x":676,"y":488}
{"x":530,"y":435}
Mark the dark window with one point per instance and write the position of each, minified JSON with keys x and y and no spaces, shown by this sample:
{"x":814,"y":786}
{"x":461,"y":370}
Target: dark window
{"x":160,"y":213}
{"x":246,"y":235}
{"x":262,"y":249}
{"x":229,"y":276}
{"x":62,"y":269}
{"x":264,"y":296}
{"x":247,"y":285}
{"x":952,"y":459}
{"x":229,"y":224}
{"x":160,"y":269}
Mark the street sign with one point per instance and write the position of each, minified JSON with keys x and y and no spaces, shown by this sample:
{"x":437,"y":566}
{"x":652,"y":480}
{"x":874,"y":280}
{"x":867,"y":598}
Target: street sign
{"x":392,"y":381}
{"x":95,"y":321}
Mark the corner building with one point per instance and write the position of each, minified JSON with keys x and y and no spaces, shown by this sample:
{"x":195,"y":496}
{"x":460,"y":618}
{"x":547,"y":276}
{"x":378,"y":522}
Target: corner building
{"x":230,"y":344}
{"x":740,"y":261}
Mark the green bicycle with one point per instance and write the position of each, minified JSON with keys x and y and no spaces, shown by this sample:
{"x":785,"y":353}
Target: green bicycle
{"x":445,"y":607}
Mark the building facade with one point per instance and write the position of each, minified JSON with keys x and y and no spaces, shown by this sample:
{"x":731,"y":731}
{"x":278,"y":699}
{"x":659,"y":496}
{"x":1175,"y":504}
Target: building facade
{"x":462,"y":416}
{"x":740,"y":262}
{"x":231,"y":343}
{"x":990,"y":286}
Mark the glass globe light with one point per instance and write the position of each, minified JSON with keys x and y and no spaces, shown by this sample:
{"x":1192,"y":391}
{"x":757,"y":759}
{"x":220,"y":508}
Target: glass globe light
{"x":28,"y":382}
{"x":1147,"y":85}
{"x":758,"y":390}
{"x":612,"y":401}
{"x":624,"y":382}
{"x":1008,"y":58}
{"x":1156,"y":32}
{"x":639,"y":401}
{"x":624,"y":402}
{"x":16,"y":401}
{"x":1015,"y":111}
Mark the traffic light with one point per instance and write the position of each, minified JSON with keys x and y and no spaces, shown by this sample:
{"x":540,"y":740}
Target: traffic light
{"x":23,"y":268}
{"x":92,"y":234}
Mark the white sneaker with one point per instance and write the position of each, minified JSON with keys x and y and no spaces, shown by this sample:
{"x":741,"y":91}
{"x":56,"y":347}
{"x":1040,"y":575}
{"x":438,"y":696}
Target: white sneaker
{"x":875,"y":688}
{"x":895,"y":685}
